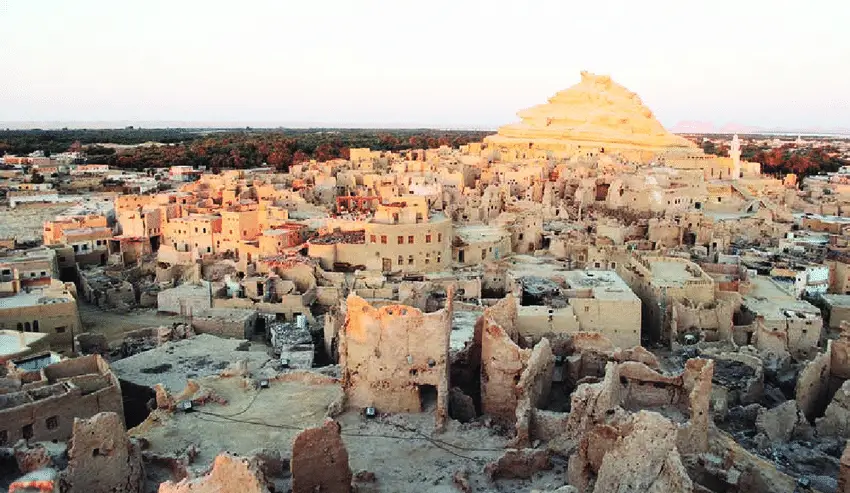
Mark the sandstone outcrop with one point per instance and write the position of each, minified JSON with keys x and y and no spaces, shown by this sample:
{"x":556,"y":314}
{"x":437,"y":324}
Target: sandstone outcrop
{"x":596,"y":113}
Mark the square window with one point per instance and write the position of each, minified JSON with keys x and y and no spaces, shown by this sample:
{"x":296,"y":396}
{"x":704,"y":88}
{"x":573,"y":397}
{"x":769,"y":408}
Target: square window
{"x":401,"y":240}
{"x":26,"y":431}
{"x":410,"y":239}
{"x":384,"y":239}
{"x":60,"y":330}
{"x":373,"y":239}
{"x":427,"y":238}
{"x":52,"y":422}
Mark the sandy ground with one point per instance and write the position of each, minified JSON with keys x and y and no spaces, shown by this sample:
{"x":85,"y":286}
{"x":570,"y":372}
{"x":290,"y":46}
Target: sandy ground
{"x":114,"y":324}
{"x":402,"y":450}
{"x":25,"y":222}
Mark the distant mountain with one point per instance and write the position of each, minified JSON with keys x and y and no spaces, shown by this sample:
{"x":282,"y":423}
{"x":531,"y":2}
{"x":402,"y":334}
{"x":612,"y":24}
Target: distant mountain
{"x":693,"y":127}
{"x":697,"y":127}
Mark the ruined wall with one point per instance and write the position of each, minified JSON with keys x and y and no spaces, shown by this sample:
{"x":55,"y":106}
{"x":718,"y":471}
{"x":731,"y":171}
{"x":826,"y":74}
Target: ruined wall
{"x":502,"y":363}
{"x":710,"y":323}
{"x":813,"y":384}
{"x":320,"y":461}
{"x":332,"y":324}
{"x":538,"y":321}
{"x":395,"y":358}
{"x":234,"y":323}
{"x":533,"y":389}
{"x":618,"y":320}
{"x":102,"y":458}
{"x":466,"y":365}
{"x":836,"y":420}
{"x":229,"y":473}
{"x":696,"y":379}
{"x":645,"y":459}
{"x":45,"y":410}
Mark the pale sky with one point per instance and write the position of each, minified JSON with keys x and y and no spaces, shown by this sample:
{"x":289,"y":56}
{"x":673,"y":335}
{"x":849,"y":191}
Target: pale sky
{"x":430,"y":63}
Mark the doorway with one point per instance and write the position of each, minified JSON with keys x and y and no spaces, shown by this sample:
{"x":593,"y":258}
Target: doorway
{"x":427,"y":398}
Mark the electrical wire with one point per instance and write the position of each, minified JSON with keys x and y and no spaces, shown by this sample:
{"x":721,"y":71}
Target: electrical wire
{"x":441,"y":444}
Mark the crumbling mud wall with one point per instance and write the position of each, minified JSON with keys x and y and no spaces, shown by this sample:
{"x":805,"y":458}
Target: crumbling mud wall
{"x":466,"y":364}
{"x":645,"y":459}
{"x":396,"y":358}
{"x":619,"y":451}
{"x":738,"y":379}
{"x":696,"y":380}
{"x":533,"y":389}
{"x":229,"y":473}
{"x":80,"y":387}
{"x":102,"y":458}
{"x":332,"y":325}
{"x":813,"y":384}
{"x":320,"y":461}
{"x":836,"y":419}
{"x":711,"y":323}
{"x":502,"y":364}
{"x":587,"y":354}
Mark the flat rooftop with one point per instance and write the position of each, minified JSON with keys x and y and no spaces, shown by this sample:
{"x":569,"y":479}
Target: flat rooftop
{"x":35,"y":297}
{"x":840,"y":300}
{"x":605,"y":284}
{"x":13,"y":342}
{"x":527,"y":265}
{"x":820,"y":217}
{"x":772,"y":302}
{"x":670,"y":273}
{"x":478,"y":233}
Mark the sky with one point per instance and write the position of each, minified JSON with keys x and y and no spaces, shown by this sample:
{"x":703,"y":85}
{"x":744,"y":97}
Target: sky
{"x":440,"y":63}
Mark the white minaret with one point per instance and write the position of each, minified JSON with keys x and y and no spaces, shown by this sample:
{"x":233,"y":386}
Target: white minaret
{"x":735,"y":154}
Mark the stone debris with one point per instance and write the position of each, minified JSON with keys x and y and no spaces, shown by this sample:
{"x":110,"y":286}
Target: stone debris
{"x":836,"y":419}
{"x":293,"y":345}
{"x":461,"y":406}
{"x":461,"y":480}
{"x":519,"y":464}
{"x":40,"y":481}
{"x":33,"y":457}
{"x":779,"y":424}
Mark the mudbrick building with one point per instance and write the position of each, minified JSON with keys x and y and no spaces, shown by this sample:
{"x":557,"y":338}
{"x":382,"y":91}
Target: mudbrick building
{"x":583,"y":301}
{"x":41,"y":405}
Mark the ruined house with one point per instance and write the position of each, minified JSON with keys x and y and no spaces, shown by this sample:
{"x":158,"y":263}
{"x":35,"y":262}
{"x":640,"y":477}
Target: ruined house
{"x":395,"y":358}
